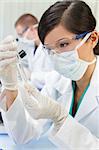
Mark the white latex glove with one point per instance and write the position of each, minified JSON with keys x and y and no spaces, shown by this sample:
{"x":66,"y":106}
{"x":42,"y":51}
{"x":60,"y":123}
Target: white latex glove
{"x":43,"y":107}
{"x":8,"y":57}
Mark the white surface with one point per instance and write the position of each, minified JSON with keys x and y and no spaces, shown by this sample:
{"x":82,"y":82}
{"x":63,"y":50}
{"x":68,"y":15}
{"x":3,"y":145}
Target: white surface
{"x":2,"y":129}
{"x":10,"y":11}
{"x":42,"y":144}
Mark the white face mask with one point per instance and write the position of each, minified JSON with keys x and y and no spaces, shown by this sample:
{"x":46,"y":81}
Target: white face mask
{"x":69,"y":64}
{"x":27,"y":45}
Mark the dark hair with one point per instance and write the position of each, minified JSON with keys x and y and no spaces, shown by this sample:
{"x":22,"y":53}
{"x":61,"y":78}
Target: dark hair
{"x":26,"y":20}
{"x":75,"y":16}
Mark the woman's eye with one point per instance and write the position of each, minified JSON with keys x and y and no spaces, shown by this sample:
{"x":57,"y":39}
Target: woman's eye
{"x":64,"y":44}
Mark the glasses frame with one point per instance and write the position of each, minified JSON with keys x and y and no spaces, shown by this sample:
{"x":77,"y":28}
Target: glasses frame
{"x":76,"y":37}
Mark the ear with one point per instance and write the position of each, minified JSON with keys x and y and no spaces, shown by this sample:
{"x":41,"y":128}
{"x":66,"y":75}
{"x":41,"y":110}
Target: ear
{"x":94,"y":38}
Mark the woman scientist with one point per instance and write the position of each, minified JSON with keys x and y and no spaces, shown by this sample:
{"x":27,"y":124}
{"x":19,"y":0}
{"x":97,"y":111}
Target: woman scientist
{"x":67,"y":29}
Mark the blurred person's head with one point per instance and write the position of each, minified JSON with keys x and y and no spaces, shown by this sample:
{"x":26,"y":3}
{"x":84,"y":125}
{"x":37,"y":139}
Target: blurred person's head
{"x":26,"y":27}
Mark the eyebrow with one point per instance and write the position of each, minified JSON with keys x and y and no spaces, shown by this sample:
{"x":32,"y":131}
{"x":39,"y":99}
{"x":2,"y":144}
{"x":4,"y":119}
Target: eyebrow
{"x":63,"y":38}
{"x":25,"y":29}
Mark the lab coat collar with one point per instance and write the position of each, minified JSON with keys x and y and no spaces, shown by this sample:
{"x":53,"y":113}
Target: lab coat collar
{"x":90,"y":101}
{"x":55,"y":80}
{"x":63,"y":85}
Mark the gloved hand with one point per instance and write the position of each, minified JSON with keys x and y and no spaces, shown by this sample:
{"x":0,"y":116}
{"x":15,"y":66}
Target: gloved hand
{"x":8,"y":58}
{"x":43,"y":107}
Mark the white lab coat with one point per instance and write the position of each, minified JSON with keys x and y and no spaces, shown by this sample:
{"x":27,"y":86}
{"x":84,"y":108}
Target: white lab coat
{"x":81,"y":132}
{"x":41,"y":60}
{"x":40,"y":65}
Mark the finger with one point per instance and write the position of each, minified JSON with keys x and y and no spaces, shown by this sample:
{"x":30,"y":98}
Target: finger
{"x":7,"y":54}
{"x":6,"y":62}
{"x":8,"y":46}
{"x":33,"y":91}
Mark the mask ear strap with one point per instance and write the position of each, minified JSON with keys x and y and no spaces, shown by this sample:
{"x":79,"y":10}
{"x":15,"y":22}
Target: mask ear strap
{"x":84,"y":40}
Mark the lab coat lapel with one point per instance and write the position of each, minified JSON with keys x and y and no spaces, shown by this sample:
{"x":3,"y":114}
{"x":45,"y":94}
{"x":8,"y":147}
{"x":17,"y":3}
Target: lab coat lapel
{"x":64,"y":87}
{"x":91,"y":98}
{"x":88,"y":104}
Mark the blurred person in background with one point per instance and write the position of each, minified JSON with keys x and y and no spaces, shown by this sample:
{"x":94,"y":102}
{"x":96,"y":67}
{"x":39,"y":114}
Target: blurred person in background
{"x":36,"y":63}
